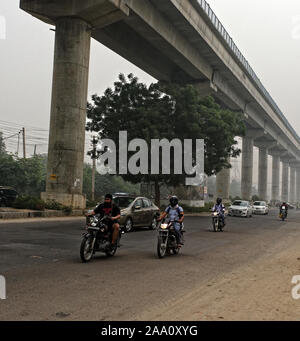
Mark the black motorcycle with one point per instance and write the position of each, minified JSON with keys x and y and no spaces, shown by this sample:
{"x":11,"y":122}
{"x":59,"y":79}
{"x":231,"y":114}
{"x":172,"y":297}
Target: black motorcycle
{"x":283,"y":213}
{"x":97,"y":238}
{"x":167,"y":241}
{"x":217,"y":222}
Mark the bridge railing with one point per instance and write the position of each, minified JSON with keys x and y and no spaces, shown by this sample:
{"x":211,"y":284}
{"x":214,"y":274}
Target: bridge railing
{"x":224,"y":34}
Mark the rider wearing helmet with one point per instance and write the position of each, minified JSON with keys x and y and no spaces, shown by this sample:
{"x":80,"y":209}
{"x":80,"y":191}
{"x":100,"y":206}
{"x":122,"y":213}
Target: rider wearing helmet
{"x":284,"y":206}
{"x":175,"y":213}
{"x":219,"y":207}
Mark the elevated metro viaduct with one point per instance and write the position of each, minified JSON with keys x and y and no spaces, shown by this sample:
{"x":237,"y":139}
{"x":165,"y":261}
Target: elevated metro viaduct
{"x":170,"y":40}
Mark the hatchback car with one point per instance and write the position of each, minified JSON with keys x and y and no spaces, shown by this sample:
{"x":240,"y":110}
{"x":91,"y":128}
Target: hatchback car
{"x":240,"y":208}
{"x":260,"y":207}
{"x":7,"y":196}
{"x":136,"y":212}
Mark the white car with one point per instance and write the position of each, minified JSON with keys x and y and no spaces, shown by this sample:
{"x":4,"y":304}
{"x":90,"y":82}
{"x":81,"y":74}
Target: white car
{"x":260,"y":207}
{"x":240,"y":208}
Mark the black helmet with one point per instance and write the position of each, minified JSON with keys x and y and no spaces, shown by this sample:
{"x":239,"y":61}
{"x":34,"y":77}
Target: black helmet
{"x":173,"y":201}
{"x":219,"y":201}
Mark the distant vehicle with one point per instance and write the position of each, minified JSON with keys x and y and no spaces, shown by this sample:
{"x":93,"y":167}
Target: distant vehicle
{"x":260,"y":207}
{"x":7,"y":196}
{"x":136,"y":211}
{"x":240,"y":208}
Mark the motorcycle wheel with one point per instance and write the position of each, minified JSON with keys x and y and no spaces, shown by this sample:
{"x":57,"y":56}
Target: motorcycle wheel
{"x":215,"y":226}
{"x":161,"y":249}
{"x":86,"y":252}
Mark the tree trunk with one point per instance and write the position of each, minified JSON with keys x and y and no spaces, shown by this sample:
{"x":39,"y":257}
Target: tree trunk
{"x":157,"y":193}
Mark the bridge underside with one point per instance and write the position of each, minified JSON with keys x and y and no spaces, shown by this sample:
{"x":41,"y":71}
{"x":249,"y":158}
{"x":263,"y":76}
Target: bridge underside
{"x":171,"y":40}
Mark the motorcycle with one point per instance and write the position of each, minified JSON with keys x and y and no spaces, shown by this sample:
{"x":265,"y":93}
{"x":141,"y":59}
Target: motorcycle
{"x":283,"y":213}
{"x":167,"y":241}
{"x":217,"y":222}
{"x":97,"y":238}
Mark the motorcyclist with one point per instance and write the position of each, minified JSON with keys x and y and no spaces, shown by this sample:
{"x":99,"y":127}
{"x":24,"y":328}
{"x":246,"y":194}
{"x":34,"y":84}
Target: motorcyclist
{"x":285,"y":207}
{"x":108,"y":208}
{"x":220,"y":208}
{"x":175,"y":213}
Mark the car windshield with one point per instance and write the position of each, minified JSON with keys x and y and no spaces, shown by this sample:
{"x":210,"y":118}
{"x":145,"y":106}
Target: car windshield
{"x":240,"y":203}
{"x":123,"y":202}
{"x":259,"y":203}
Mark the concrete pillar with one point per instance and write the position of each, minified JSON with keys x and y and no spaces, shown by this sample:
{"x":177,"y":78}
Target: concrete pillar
{"x":292,"y":184}
{"x":263,"y":173}
{"x":285,"y":181}
{"x":223,"y":184}
{"x":247,"y":167}
{"x":298,"y":185}
{"x":275,"y":177}
{"x":68,"y":112}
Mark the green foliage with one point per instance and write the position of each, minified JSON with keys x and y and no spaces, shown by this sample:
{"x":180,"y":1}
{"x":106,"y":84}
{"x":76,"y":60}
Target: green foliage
{"x":27,"y":176}
{"x":166,"y":111}
{"x":53,"y":205}
{"x":30,"y":203}
{"x":105,"y":184}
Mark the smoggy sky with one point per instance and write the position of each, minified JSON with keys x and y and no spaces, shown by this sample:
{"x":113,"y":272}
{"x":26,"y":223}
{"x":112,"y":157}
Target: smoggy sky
{"x":266,"y":31}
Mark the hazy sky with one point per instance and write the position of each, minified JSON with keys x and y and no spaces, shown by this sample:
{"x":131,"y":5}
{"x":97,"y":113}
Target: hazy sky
{"x":266,"y":31}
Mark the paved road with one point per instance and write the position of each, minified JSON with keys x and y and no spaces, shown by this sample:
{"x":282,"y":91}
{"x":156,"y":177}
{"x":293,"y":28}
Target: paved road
{"x":47,"y":281}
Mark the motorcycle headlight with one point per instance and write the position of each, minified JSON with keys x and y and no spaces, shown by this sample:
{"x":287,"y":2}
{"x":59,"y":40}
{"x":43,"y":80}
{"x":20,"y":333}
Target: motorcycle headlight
{"x":164,"y":226}
{"x":215,"y":214}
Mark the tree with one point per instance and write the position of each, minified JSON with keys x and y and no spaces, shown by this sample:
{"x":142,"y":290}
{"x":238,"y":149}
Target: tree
{"x":169,"y":111}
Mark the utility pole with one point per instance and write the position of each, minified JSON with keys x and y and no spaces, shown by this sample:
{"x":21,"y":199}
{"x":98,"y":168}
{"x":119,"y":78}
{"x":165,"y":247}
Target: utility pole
{"x":18,"y":143}
{"x":24,"y":146}
{"x":94,"y":157}
{"x":34,"y":153}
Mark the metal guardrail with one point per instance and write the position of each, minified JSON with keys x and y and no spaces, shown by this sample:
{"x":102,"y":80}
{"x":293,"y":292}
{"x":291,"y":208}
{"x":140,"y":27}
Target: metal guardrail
{"x":224,"y":34}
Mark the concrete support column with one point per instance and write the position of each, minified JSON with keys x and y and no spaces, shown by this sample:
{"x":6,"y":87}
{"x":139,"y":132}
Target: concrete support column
{"x":247,"y":167}
{"x":275,"y":177}
{"x":298,"y":185}
{"x":263,"y":173}
{"x":223,"y":184}
{"x":285,"y":182}
{"x":68,"y":112}
{"x":292,"y":184}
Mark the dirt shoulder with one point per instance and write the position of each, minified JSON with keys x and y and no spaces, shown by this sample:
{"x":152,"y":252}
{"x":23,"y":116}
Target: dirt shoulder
{"x":261,"y":290}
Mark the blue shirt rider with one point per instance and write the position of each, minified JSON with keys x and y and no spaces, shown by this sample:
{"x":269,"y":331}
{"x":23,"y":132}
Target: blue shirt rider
{"x":175,"y":213}
{"x":220,"y":208}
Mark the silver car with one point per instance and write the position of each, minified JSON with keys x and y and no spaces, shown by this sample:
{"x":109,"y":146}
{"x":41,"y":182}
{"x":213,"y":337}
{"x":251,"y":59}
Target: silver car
{"x":240,"y":208}
{"x":260,"y":207}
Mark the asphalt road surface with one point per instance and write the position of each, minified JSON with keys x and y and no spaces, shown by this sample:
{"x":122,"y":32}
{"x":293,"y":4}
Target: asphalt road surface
{"x":46,"y":280}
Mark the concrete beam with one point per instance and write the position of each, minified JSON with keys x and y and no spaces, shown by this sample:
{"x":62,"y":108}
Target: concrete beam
{"x":98,"y":13}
